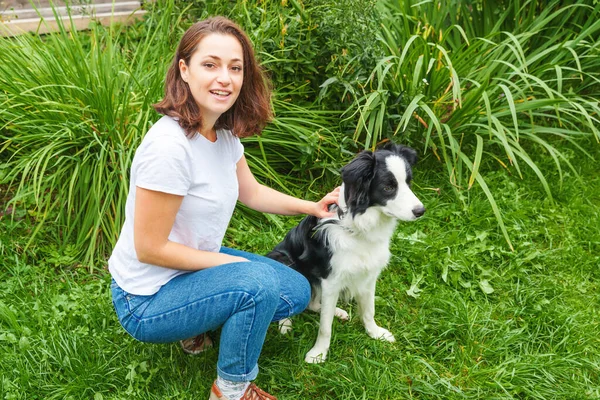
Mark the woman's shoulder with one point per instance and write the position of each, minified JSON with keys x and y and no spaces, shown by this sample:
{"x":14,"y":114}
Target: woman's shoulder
{"x":167,"y":137}
{"x":166,"y":126}
{"x":166,"y":130}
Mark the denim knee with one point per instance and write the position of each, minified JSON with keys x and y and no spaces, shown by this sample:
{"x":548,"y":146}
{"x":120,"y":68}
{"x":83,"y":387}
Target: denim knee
{"x":260,"y":281}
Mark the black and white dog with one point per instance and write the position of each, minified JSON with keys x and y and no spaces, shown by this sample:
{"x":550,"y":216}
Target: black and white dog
{"x":347,"y":253}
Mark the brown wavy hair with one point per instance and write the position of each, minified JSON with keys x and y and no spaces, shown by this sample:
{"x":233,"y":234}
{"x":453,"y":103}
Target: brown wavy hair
{"x":251,"y":110}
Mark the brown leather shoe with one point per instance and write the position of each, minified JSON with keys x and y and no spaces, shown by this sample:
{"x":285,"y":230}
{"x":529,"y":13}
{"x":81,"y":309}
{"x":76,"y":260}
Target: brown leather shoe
{"x":197,"y":344}
{"x":253,"y":392}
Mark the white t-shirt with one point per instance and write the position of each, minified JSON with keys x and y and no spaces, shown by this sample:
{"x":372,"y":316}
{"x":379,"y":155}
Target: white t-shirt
{"x":202,"y":171}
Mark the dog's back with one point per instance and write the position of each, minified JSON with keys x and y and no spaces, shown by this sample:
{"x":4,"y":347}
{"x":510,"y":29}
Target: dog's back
{"x":304,"y":249}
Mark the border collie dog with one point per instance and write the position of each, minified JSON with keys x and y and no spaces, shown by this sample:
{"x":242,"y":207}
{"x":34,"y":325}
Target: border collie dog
{"x":346,"y":253}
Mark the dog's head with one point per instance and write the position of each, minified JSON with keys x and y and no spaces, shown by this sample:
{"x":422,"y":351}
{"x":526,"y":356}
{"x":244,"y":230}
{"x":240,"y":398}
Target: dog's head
{"x":382,"y":179}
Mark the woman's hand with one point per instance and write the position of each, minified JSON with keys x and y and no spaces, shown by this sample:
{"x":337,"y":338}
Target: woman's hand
{"x":322,"y":206}
{"x":264,"y":199}
{"x":236,"y":259}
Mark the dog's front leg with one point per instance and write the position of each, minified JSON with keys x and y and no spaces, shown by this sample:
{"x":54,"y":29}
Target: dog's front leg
{"x":285,"y":325}
{"x":366,"y":308}
{"x":329,"y":298}
{"x":315,"y":305}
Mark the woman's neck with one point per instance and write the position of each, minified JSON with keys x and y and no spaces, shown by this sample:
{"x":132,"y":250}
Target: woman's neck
{"x":208,"y":130}
{"x":209,"y":134}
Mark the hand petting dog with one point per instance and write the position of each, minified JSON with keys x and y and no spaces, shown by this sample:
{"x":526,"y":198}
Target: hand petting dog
{"x":323,"y":205}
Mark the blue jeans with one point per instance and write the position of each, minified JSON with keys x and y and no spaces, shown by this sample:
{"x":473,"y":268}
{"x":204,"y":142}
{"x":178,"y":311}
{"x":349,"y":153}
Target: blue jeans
{"x":243,"y":298}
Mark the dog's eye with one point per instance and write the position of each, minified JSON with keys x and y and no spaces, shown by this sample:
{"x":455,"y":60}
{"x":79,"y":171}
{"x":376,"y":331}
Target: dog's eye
{"x":388,"y":188}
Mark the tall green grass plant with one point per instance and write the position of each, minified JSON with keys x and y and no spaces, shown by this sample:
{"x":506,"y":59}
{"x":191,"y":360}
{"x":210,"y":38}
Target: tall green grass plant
{"x":479,"y":103}
{"x":74,"y":107}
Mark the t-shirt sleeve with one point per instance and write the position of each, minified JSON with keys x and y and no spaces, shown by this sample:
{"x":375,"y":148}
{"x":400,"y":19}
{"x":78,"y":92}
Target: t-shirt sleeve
{"x":164,"y":165}
{"x":238,"y":149}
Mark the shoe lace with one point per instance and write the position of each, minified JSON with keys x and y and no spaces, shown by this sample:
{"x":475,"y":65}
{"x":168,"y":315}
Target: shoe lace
{"x":197,"y":343}
{"x":255,"y":393}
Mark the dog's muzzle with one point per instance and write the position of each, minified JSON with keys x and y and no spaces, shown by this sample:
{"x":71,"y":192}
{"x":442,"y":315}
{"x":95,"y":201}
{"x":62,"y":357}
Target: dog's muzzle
{"x":418,"y":211}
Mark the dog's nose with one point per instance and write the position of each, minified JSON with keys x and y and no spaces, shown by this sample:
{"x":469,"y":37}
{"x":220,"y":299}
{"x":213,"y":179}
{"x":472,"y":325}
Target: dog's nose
{"x":418,"y":211}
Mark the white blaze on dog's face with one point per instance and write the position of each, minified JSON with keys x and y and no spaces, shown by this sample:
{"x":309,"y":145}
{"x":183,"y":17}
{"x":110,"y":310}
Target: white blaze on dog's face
{"x":380,"y":181}
{"x":397,"y":198}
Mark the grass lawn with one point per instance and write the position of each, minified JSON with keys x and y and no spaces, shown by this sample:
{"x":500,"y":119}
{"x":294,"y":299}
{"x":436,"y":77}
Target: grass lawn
{"x":472,"y":319}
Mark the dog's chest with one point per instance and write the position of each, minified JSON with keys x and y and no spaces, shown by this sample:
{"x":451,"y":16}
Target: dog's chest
{"x":357,"y":255}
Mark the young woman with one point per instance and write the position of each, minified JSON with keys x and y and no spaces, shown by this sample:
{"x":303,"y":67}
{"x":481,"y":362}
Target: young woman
{"x":172,"y":279}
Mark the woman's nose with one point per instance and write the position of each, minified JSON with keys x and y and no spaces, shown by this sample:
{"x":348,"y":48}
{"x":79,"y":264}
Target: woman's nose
{"x":223,"y":77}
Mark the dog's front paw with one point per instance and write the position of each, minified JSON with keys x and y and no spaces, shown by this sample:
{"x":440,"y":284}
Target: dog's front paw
{"x":285,"y":326}
{"x":341,"y":314}
{"x":381,"y":334}
{"x":316,"y":355}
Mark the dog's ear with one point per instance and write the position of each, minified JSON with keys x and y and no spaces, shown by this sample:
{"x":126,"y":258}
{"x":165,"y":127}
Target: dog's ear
{"x":405,"y":152}
{"x":357,"y":177}
{"x":409,"y":154}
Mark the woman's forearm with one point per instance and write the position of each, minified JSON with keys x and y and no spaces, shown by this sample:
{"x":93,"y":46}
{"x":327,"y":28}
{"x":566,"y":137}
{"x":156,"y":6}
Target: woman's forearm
{"x":267,"y":200}
{"x":178,"y":256}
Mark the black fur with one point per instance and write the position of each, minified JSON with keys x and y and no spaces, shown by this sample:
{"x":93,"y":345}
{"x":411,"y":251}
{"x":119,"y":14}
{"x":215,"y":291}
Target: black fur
{"x":305,"y":250}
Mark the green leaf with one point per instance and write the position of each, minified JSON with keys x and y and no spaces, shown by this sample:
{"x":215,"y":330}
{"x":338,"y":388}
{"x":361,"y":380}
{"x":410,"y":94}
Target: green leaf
{"x":485,"y":286}
{"x":414,"y":290}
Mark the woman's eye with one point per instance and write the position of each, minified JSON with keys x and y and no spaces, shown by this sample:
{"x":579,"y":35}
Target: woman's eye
{"x":208,"y":65}
{"x":236,"y":68}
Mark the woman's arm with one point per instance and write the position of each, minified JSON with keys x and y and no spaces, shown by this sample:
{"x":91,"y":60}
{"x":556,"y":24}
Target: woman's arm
{"x":153,"y":220}
{"x":264,"y":199}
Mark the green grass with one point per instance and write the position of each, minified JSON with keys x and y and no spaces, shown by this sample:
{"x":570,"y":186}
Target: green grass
{"x":472,"y":319}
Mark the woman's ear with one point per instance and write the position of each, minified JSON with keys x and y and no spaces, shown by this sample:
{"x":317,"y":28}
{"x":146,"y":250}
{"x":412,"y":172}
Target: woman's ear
{"x":183,"y":70}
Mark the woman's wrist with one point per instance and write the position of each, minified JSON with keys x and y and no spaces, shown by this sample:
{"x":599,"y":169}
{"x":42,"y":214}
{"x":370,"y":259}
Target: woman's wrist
{"x":309,"y":208}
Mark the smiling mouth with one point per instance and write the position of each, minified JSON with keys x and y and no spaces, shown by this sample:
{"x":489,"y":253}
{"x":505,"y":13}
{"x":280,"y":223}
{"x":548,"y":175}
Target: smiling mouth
{"x":221,"y":93}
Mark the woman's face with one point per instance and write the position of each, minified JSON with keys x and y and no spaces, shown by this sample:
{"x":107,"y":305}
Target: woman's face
{"x":215,"y":74}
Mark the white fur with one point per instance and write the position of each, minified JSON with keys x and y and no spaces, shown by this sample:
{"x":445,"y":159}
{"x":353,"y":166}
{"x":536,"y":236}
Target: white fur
{"x":405,"y":202}
{"x":356,"y":263}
